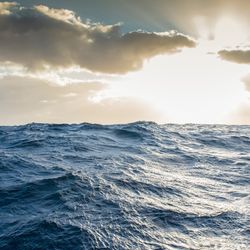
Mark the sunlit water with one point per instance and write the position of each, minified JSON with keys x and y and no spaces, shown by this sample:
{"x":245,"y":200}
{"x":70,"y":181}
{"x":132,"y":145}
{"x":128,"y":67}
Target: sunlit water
{"x":134,"y":186}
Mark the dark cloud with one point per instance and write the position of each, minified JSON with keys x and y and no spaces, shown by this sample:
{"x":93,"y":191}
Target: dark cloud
{"x":26,"y":99}
{"x":42,"y":37}
{"x":237,"y":56}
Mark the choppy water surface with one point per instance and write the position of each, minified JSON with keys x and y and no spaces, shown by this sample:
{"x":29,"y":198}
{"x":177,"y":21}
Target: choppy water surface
{"x":134,"y":186}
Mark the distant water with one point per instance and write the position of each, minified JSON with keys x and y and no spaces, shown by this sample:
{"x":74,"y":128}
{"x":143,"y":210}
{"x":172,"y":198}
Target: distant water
{"x":133,"y":186}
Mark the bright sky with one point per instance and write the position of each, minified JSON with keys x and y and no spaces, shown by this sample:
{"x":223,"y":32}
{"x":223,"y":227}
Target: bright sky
{"x":58,"y":67}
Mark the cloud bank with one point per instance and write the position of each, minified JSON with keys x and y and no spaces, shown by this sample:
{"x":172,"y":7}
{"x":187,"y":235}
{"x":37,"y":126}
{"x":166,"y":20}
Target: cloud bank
{"x":40,"y":37}
{"x":237,"y":56}
{"x":26,"y":99}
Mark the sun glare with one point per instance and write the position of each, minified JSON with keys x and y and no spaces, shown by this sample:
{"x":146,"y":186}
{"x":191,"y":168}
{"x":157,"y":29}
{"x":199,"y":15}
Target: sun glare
{"x":190,"y":86}
{"x":230,"y":32}
{"x":194,"y":85}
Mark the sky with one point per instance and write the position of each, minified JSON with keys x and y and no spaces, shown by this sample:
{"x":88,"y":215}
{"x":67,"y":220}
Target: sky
{"x":120,"y":61}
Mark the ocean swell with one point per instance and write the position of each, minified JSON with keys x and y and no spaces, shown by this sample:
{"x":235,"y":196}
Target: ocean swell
{"x":132,"y":186}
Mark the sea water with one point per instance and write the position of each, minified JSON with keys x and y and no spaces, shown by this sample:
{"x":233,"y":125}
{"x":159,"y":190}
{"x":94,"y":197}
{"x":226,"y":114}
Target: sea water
{"x":132,"y":186}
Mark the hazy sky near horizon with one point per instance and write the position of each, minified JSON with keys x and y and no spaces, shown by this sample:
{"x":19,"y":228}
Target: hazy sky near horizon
{"x":118,"y":61}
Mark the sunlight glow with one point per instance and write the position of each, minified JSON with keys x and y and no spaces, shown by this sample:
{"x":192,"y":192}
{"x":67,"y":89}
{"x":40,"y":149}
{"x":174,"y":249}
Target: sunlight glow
{"x":190,"y":86}
{"x":230,"y":32}
{"x":194,"y":85}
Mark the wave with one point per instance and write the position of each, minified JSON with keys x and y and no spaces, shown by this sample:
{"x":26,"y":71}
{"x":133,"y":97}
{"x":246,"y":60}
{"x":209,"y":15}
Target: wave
{"x":129,"y":186}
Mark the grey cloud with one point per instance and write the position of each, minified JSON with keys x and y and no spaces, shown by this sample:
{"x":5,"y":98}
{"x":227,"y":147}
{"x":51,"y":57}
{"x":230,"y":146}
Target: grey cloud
{"x":237,"y":56}
{"x":42,"y":37}
{"x":26,"y":99}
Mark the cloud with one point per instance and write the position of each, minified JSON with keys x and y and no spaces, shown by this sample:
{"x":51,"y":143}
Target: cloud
{"x":237,"y":56}
{"x":5,"y":6}
{"x":183,"y":13}
{"x":244,"y":114}
{"x":241,"y":115}
{"x":40,"y":37}
{"x":246,"y":81}
{"x":157,"y":15}
{"x":26,"y":100}
{"x":175,"y":14}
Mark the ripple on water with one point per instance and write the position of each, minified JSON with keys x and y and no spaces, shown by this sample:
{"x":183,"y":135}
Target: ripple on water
{"x":133,"y":186}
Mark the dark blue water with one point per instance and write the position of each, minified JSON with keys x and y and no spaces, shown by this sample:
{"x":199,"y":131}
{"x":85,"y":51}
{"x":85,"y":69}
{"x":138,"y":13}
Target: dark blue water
{"x":134,"y":186}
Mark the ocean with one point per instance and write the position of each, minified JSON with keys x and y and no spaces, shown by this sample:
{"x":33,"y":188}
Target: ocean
{"x":131,"y":186}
